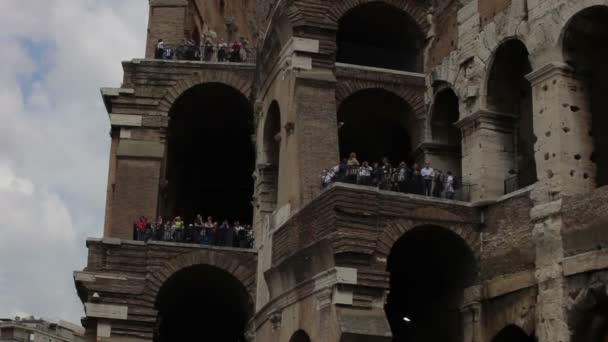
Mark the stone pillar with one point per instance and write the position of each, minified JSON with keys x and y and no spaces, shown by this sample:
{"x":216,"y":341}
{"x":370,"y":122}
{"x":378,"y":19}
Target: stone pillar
{"x":135,"y":172}
{"x":166,"y":21}
{"x":316,"y":129}
{"x":562,"y":124}
{"x":552,"y":300}
{"x":488,"y":144}
{"x":470,"y":311}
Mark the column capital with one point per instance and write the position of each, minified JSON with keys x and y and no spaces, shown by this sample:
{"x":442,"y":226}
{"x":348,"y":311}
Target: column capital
{"x":486,"y":116}
{"x":549,"y":70}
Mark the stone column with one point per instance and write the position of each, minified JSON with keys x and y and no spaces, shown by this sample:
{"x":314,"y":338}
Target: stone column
{"x":488,"y":144}
{"x":562,"y":124}
{"x":471,"y":315}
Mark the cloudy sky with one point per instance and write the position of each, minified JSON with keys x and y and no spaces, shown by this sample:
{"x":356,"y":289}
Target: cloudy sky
{"x":55,"y":55}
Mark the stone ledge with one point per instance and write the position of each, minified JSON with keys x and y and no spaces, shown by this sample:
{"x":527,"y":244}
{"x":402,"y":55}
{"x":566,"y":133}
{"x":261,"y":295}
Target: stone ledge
{"x":587,"y":262}
{"x":506,"y":284}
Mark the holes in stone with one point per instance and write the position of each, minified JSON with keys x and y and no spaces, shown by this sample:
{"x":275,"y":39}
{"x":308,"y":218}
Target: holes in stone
{"x":572,"y":173}
{"x":577,"y":156}
{"x":546,"y":156}
{"x":586,"y":175}
{"x":554,"y":81}
{"x":550,"y":174}
{"x":545,"y":87}
{"x":548,"y":134}
{"x":575,"y":109}
{"x":566,"y":129}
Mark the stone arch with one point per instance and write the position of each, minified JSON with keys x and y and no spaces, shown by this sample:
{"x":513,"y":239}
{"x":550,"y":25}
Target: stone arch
{"x":415,"y":99}
{"x":300,"y":336}
{"x":444,"y":113}
{"x":430,"y":268}
{"x":417,"y":10}
{"x":584,"y":51}
{"x":568,"y":13}
{"x":489,"y":63}
{"x":226,"y":77}
{"x":241,"y":266}
{"x":380,"y":34}
{"x":396,"y":228}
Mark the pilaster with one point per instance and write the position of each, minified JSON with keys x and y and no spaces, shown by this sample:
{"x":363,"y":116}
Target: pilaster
{"x":488,"y":152}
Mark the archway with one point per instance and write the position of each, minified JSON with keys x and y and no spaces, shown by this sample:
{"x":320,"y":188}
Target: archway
{"x":379,"y":35}
{"x":269,"y":172}
{"x":300,"y":336}
{"x":374,"y":124}
{"x":445,"y":132}
{"x":210,"y":157}
{"x":202,"y":302}
{"x":509,"y":93}
{"x":430,"y":267}
{"x":593,"y":323}
{"x":512,"y":333}
{"x":585,"y":50}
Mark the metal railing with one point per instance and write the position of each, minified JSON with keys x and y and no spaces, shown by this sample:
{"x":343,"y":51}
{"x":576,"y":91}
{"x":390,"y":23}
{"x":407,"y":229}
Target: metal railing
{"x":511,"y":184}
{"x":187,"y":52}
{"x":414,"y":186}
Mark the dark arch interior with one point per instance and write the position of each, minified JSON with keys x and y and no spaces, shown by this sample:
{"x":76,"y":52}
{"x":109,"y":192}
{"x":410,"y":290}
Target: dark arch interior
{"x":210,"y":155}
{"x":444,"y":117}
{"x":202,"y":303}
{"x":379,"y":35}
{"x":586,"y":51}
{"x":593,"y":324}
{"x":509,"y":92}
{"x":430,"y":267}
{"x":375,"y":126}
{"x":512,"y":333}
{"x":300,"y":336}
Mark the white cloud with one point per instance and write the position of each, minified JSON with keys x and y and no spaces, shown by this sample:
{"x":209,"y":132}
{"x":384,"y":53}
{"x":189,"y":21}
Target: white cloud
{"x":54,"y":141}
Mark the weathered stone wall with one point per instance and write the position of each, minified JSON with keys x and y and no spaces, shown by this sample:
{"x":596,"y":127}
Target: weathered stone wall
{"x":127,"y":276}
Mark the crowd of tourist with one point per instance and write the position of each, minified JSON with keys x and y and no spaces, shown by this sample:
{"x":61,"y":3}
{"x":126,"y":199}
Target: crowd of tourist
{"x":207,"y":50}
{"x":201,"y":231}
{"x":403,"y":178}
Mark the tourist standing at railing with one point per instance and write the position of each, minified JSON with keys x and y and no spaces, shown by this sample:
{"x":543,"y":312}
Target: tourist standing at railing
{"x":235,"y":56}
{"x":178,"y":227}
{"x":208,"y":50}
{"x":140,"y":228}
{"x":365,"y":174}
{"x":449,"y":186}
{"x":160,"y":50}
{"x":210,"y":231}
{"x":199,"y":232}
{"x":167,"y":232}
{"x":416,"y":184}
{"x":352,"y":168}
{"x":402,"y":177}
{"x":427,"y":175}
{"x":222,"y":50}
{"x":386,"y":172}
{"x":438,"y":184}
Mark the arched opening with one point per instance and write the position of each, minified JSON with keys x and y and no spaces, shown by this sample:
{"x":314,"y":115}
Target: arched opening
{"x":202,"y":303}
{"x":379,"y":35}
{"x":210,"y":157}
{"x":430,"y":267}
{"x":512,"y":333}
{"x":445,"y":132}
{"x":300,"y":336}
{"x":374,"y":124}
{"x":510,"y":94}
{"x":269,"y":171}
{"x":593,"y":324}
{"x":586,"y":51}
